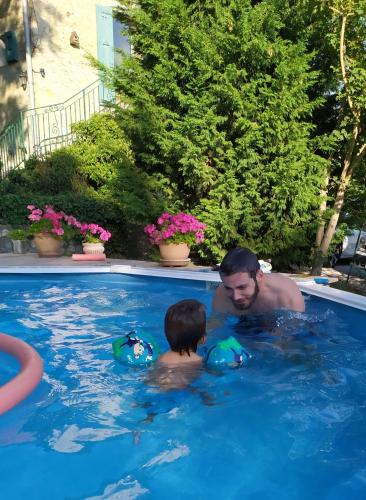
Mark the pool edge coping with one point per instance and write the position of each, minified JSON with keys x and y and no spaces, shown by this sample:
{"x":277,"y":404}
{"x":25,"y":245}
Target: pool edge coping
{"x":309,"y":286}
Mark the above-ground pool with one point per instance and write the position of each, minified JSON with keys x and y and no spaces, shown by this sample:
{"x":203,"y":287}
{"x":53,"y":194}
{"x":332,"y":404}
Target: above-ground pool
{"x":291,"y":424}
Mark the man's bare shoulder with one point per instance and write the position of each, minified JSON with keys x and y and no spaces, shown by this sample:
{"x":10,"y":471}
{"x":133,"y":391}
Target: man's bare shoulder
{"x":287,"y":291}
{"x":280,"y":280}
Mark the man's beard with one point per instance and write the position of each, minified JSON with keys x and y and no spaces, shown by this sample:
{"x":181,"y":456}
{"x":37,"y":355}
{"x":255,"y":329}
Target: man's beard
{"x":244,"y":307}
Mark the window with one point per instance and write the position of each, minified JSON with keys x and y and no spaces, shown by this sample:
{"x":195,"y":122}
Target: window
{"x":109,"y":38}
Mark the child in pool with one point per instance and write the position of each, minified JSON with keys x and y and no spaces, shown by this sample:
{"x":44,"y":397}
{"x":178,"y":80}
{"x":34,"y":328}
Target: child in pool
{"x":185,"y":329}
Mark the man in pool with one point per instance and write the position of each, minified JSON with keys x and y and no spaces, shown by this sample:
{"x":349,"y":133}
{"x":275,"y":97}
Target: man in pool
{"x":246,"y":290}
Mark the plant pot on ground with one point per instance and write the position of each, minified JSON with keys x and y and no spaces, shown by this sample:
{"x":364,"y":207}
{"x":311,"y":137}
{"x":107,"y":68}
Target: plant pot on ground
{"x":174,"y":234}
{"x":47,"y":245}
{"x":174,"y":251}
{"x":47,"y":228}
{"x":94,"y":238}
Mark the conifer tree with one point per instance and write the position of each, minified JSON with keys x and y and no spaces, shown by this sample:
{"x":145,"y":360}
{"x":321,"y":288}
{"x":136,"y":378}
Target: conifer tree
{"x":216,"y":104}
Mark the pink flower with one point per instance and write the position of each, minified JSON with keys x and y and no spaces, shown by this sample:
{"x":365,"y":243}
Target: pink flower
{"x":48,"y":220}
{"x":164,"y":216}
{"x":199,"y":237}
{"x":92,"y":232}
{"x":178,"y":228}
{"x":167,"y":234}
{"x":34,"y":217}
{"x":35,"y":211}
{"x":105,"y":235}
{"x":149,"y":229}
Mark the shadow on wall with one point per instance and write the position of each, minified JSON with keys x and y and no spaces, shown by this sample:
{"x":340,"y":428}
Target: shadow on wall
{"x":13,"y":98}
{"x":44,"y":19}
{"x":11,"y":95}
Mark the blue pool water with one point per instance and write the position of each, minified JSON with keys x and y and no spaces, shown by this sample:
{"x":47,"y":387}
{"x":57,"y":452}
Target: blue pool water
{"x":290,"y":425}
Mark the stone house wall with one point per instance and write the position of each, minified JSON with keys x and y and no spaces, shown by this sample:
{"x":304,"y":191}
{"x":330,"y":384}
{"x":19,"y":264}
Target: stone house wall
{"x":67,"y":71}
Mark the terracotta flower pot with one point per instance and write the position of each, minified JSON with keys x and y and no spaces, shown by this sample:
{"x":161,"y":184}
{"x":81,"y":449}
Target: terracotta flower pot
{"x":174,"y":254}
{"x":47,"y":245}
{"x":93,"y":248}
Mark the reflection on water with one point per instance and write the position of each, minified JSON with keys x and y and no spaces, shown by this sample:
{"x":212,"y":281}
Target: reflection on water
{"x":300,"y":398}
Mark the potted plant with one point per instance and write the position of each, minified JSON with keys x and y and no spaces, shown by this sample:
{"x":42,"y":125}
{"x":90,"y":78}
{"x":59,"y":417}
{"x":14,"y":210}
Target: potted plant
{"x":94,"y":237}
{"x":48,"y":229}
{"x":175,"y":234}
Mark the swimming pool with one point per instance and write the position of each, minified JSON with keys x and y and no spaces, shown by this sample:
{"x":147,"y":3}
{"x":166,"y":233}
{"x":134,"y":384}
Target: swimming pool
{"x":290,"y":425}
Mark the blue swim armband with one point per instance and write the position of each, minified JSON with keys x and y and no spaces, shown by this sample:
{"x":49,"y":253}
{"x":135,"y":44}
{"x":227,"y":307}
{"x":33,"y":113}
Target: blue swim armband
{"x":227,"y":352}
{"x":136,"y":349}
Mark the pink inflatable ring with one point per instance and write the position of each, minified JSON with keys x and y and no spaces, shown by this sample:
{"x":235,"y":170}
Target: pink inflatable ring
{"x":31,"y":370}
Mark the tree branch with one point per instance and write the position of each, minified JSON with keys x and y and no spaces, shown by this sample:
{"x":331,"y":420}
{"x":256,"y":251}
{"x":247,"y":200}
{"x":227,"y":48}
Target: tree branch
{"x":338,"y":12}
{"x":342,"y":56}
{"x":361,"y":152}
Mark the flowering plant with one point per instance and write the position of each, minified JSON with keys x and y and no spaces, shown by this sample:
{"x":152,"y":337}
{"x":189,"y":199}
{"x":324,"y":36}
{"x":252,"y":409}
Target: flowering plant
{"x":45,"y":221}
{"x":179,"y":228}
{"x":92,"y":233}
{"x":60,"y":226}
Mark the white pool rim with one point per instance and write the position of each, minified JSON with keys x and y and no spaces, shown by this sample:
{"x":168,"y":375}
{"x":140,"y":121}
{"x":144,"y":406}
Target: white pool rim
{"x":307,"y":286}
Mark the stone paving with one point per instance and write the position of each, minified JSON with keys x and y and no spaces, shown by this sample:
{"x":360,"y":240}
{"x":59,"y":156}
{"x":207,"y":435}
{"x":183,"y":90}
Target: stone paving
{"x":11,"y":260}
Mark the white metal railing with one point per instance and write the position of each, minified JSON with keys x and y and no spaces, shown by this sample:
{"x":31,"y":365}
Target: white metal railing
{"x":41,"y":130}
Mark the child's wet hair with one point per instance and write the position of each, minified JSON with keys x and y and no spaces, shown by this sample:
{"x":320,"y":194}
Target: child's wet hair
{"x":185,"y":325}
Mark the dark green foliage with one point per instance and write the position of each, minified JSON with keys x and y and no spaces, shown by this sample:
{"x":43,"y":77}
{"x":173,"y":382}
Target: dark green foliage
{"x":354,"y":213}
{"x":49,"y":175}
{"x":218,"y":104}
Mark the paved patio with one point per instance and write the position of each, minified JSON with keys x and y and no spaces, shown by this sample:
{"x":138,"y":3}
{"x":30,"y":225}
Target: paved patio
{"x":32,"y":260}
{"x":10,"y":261}
{"x":14,"y":262}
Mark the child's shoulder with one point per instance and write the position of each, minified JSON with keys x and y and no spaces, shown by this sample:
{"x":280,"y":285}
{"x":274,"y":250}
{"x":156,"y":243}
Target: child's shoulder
{"x":174,"y":358}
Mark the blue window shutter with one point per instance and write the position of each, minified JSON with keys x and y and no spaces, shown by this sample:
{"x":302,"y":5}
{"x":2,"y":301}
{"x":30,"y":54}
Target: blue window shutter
{"x":105,"y":48}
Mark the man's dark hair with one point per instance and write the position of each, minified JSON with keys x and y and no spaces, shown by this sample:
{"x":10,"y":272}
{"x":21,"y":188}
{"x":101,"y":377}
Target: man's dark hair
{"x":239,"y":260}
{"x":185,"y":325}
